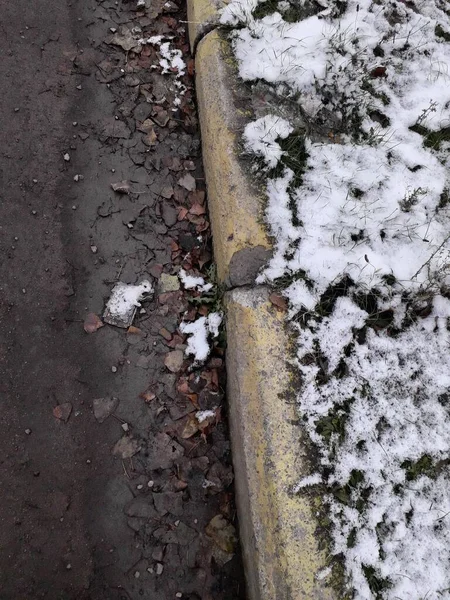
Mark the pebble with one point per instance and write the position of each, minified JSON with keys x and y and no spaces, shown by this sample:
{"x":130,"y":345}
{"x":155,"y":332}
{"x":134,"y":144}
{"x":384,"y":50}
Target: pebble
{"x":67,"y":157}
{"x":178,"y":595}
{"x":159,"y":568}
{"x":114,"y":369}
{"x":150,"y":484}
{"x":137,"y":574}
{"x":28,"y":431}
{"x":125,"y":426}
{"x":94,"y":249}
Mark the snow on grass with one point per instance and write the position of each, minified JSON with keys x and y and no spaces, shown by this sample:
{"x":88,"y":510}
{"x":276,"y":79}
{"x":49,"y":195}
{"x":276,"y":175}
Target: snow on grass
{"x":260,"y":137}
{"x":359,"y":207}
{"x":199,"y":332}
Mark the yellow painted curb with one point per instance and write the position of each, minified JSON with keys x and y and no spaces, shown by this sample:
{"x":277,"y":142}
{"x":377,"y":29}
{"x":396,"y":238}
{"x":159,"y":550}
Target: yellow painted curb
{"x":241,"y":245}
{"x":281,"y":554}
{"x":202,"y":16}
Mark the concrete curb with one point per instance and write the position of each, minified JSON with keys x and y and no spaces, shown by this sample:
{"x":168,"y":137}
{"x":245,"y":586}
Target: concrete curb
{"x":203,"y":16}
{"x":281,"y":552}
{"x":240,"y":241}
{"x":277,"y":527}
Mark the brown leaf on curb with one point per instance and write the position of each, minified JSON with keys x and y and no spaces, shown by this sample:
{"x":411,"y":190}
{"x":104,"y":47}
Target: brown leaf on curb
{"x":63,"y":411}
{"x":92,"y":322}
{"x":278,"y":301}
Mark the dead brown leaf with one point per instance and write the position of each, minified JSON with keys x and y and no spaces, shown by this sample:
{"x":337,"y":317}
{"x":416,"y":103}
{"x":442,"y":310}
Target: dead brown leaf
{"x":126,"y":447}
{"x":194,"y":399}
{"x":183,"y":386}
{"x":182,"y":213}
{"x":190,"y":428}
{"x":197,"y":209}
{"x":150,"y":138}
{"x":148,"y":395}
{"x":279,"y":301}
{"x":223,"y":533}
{"x":63,"y":411}
{"x":92,"y":323}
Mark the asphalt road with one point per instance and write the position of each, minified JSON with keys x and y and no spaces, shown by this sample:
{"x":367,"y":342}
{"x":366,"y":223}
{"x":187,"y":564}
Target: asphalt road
{"x":76,"y":520}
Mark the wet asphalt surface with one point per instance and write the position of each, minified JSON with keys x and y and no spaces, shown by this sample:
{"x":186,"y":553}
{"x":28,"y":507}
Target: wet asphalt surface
{"x":83,"y":516}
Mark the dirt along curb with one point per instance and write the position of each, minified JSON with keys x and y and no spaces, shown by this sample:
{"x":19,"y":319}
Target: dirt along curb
{"x":282,"y":557}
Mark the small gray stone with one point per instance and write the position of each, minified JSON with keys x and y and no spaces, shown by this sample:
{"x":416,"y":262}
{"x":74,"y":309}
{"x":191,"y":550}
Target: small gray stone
{"x":246,"y":264}
{"x":158,"y":553}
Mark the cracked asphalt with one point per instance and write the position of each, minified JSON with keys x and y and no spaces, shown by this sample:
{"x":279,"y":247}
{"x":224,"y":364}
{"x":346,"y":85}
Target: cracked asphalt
{"x":136,"y":500}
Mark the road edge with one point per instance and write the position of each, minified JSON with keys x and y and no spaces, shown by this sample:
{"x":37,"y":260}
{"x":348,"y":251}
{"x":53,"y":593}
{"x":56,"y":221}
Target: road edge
{"x":282,"y":558}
